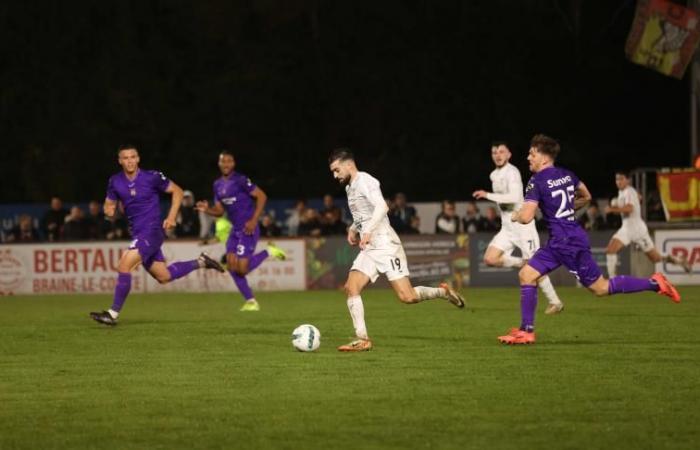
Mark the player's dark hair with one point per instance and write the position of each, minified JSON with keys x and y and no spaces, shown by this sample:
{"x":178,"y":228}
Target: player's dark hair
{"x":623,"y":172}
{"x":545,"y":144}
{"x":341,"y":154}
{"x":226,"y":152}
{"x":499,"y":143}
{"x":127,"y":147}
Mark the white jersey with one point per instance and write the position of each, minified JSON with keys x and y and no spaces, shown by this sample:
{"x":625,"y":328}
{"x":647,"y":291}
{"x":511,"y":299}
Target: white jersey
{"x":384,"y":254}
{"x":629,"y":196}
{"x":364,"y":194}
{"x":507,"y":191}
{"x":633,"y":229}
{"x":508,"y":194}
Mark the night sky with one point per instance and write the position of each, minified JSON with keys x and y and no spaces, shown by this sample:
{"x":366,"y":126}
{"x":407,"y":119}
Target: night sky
{"x":418,"y":89}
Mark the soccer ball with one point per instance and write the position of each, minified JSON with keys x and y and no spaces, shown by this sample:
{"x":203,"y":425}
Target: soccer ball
{"x":306,"y":338}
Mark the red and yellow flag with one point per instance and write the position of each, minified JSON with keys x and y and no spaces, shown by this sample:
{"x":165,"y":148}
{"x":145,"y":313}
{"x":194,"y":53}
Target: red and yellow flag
{"x":663,"y":37}
{"x":680,"y":194}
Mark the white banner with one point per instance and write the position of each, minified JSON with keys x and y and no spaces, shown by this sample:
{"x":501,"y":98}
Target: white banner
{"x":679,"y":243}
{"x":90,"y":268}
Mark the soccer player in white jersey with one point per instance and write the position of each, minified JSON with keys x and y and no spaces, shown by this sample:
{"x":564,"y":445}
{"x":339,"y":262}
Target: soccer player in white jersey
{"x":633,"y":228}
{"x":508,"y":195}
{"x":381,"y":251}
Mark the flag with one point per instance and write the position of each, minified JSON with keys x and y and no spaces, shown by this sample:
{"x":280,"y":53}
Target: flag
{"x":663,"y":37}
{"x":680,"y":194}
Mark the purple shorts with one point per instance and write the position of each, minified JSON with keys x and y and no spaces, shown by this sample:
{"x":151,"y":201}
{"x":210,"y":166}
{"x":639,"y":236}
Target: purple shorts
{"x":576,"y":258}
{"x":149,"y":248}
{"x":242,"y":245}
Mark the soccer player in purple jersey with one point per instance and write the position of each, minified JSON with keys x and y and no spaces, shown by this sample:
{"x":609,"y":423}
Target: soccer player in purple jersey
{"x":558,"y":193}
{"x":243,"y":202}
{"x":139,"y":192}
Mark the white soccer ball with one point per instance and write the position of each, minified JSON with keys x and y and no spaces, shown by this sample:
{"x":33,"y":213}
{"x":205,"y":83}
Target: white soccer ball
{"x":306,"y":338}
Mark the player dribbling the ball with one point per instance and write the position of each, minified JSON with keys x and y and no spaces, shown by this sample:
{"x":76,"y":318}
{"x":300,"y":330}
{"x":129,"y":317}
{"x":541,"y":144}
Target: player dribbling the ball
{"x":381,"y":251}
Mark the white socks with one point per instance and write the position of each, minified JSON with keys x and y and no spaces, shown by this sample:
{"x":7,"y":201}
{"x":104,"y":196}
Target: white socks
{"x":611,"y":261}
{"x":512,"y":261}
{"x":428,"y":293}
{"x":113,"y":313}
{"x":357,"y":312}
{"x":546,"y":285}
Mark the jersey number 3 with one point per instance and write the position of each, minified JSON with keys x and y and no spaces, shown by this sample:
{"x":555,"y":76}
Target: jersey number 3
{"x":567,"y":199}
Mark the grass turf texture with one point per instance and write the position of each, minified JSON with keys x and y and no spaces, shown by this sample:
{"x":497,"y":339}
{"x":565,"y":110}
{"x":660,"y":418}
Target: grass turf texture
{"x":191,"y":371}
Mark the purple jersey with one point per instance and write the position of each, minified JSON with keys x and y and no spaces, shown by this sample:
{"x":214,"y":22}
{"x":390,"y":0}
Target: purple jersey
{"x":141,"y":199}
{"x":234,"y":194}
{"x":554,"y":189}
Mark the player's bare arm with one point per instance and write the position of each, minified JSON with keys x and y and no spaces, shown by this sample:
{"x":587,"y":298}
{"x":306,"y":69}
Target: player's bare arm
{"x":526,"y":214}
{"x":260,"y":200}
{"x":176,"y":193}
{"x":109,"y":207}
{"x":352,"y":235}
{"x":480,"y":194}
{"x":582,"y":196}
{"x":217,"y":210}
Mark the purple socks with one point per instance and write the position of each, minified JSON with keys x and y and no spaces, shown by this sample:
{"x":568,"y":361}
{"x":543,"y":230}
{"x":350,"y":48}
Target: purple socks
{"x":256,"y":260}
{"x":528,"y":305}
{"x":241,"y":281}
{"x":121,"y":290}
{"x":181,"y":268}
{"x":624,"y":284}
{"x":242,"y":285}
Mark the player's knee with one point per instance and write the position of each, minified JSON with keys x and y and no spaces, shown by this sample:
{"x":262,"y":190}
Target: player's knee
{"x":490,"y":260}
{"x":407,"y":297}
{"x":599,"y":292}
{"x":163,"y":279}
{"x":526,"y":276}
{"x":600,"y":289}
{"x":351,"y":290}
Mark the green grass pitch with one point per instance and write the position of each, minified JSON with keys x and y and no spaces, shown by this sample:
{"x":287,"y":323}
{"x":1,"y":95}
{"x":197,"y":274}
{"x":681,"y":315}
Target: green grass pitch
{"x":191,"y":371}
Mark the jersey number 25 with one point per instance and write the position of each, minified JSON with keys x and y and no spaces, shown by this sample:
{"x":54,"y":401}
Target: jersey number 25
{"x":567,"y":202}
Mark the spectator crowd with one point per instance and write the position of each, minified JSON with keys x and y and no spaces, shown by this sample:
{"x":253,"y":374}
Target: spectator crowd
{"x":75,"y":224}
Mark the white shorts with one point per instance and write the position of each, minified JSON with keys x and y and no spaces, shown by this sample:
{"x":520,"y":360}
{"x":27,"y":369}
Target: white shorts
{"x":638,"y":235}
{"x":524,"y":237}
{"x":384,"y":255}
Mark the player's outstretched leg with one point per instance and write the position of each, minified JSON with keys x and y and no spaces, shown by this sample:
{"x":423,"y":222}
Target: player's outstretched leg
{"x":275,"y":251}
{"x":409,"y":294}
{"x":180,"y":269}
{"x":623,"y":284}
{"x":681,"y":261}
{"x":207,"y":262}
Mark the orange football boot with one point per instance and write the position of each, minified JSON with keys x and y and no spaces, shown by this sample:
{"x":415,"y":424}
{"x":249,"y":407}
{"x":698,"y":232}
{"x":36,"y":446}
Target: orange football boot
{"x":518,"y":336}
{"x":666,"y":288}
{"x":358,"y":345}
{"x":453,"y":296}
